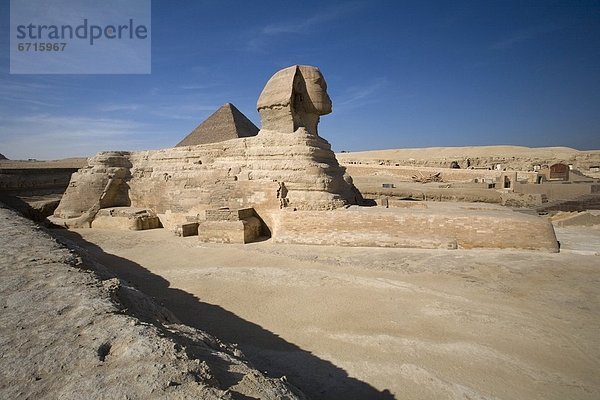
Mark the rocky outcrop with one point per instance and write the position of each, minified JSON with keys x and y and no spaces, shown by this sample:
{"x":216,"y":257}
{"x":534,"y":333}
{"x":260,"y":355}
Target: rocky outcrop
{"x":100,"y":184}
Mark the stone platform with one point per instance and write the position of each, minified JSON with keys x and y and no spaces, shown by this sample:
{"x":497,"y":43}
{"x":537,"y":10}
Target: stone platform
{"x":230,"y":226}
{"x":437,"y":225}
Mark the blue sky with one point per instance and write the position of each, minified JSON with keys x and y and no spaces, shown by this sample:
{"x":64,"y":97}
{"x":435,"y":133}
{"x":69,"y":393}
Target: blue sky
{"x":400,"y":74}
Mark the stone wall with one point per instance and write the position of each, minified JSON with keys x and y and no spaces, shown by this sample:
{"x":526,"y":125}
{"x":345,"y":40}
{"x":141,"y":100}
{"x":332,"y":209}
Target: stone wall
{"x":439,"y":225}
{"x":557,"y":190}
{"x":15,"y":180}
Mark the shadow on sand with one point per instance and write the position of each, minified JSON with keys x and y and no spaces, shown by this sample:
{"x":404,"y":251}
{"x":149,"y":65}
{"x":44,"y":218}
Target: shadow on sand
{"x":317,"y":378}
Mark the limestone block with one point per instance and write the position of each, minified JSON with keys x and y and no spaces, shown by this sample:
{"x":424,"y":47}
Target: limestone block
{"x":189,"y":229}
{"x":228,"y":231}
{"x":135,"y":219}
{"x":225,"y":214}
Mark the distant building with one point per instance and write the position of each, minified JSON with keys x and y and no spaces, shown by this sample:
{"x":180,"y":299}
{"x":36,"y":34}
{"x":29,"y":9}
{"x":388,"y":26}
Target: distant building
{"x":559,"y":172}
{"x":555,"y":172}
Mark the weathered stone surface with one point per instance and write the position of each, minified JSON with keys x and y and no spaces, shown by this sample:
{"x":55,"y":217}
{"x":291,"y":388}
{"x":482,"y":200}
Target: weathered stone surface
{"x":585,"y":218}
{"x":135,"y":219}
{"x":101,"y":183}
{"x":188,"y":229}
{"x":440,"y":225}
{"x":225,"y":214}
{"x":34,"y":179}
{"x":230,"y":226}
{"x":239,"y":173}
{"x":243,"y":231}
{"x":518,"y":200}
{"x":294,"y":98}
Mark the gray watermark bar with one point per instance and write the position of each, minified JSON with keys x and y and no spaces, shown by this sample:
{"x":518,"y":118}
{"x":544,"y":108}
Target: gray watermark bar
{"x":80,"y":37}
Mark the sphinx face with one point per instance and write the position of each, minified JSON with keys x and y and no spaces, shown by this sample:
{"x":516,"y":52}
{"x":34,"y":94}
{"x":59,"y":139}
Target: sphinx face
{"x":295,"y":97}
{"x":316,"y":89}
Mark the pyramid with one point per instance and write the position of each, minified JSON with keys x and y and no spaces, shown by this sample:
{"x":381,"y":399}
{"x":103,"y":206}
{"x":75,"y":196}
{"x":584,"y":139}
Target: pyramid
{"x":224,"y":124}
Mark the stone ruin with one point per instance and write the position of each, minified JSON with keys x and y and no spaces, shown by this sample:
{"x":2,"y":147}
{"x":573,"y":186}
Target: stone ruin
{"x":285,"y":183}
{"x":284,"y":166}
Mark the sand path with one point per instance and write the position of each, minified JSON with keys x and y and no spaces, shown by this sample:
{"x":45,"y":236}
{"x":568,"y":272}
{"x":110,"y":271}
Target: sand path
{"x":344,"y":323}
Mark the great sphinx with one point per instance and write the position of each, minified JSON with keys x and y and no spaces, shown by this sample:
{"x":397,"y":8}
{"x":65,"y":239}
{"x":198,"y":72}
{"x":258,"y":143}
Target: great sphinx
{"x":289,"y":177}
{"x":287,"y":165}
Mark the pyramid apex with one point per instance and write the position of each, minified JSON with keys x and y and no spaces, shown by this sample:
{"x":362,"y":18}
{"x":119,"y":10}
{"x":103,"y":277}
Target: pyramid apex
{"x":226,"y":123}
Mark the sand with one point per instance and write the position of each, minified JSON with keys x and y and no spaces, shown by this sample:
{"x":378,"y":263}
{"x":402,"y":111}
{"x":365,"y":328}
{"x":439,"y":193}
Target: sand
{"x":66,"y":334}
{"x":367,"y":323}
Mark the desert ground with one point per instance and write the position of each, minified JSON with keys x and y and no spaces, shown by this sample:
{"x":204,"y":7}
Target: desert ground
{"x":335,"y":322}
{"x":365,"y":323}
{"x":516,"y":156}
{"x":70,"y":330}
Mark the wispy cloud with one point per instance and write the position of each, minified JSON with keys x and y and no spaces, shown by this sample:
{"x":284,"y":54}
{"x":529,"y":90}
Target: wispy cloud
{"x":305,"y":26}
{"x":523,"y":35}
{"x":29,"y":93}
{"x":192,"y":112}
{"x":198,"y":87}
{"x":120,"y":108}
{"x":359,"y":96}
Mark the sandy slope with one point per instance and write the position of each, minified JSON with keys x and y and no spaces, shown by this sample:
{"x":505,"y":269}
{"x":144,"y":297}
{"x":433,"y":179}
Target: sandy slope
{"x":66,"y":335}
{"x":357,"y":323}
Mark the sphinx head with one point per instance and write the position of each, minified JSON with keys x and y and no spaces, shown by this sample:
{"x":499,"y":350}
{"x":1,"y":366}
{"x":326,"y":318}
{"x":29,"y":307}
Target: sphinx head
{"x":295,"y":97}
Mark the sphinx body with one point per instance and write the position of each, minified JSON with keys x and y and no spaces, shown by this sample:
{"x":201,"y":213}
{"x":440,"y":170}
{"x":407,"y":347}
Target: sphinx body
{"x":180,"y":183}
